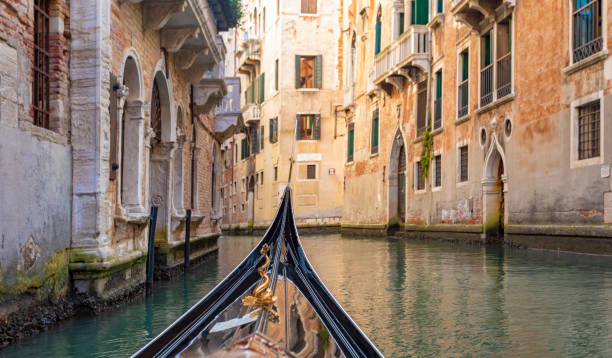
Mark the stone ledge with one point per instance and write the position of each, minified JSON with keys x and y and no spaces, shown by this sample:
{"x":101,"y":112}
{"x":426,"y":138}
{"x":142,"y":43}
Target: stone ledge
{"x":602,"y":55}
{"x":594,"y":231}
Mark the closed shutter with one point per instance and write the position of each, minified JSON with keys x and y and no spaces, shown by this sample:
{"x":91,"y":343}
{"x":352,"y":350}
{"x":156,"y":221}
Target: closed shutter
{"x":298,"y":123}
{"x":317,"y":127}
{"x":401,"y":23}
{"x":276,"y":75}
{"x":351,"y":142}
{"x":465,"y":57}
{"x":413,"y":16}
{"x":318,"y":71}
{"x":377,"y":43}
{"x":275,"y":129}
{"x":261,"y":137}
{"x":262,"y":87}
{"x":440,"y":6}
{"x":487,"y":49}
{"x":298,"y":82}
{"x":439,"y":84}
{"x":255,"y":141}
{"x":271,"y":131}
{"x":114,"y":130}
{"x":422,"y":12}
{"x":374,"y":147}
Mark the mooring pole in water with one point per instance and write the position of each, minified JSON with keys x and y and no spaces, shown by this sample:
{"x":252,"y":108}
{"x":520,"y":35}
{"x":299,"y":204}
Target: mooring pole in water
{"x":151,"y":246}
{"x":187,"y":237}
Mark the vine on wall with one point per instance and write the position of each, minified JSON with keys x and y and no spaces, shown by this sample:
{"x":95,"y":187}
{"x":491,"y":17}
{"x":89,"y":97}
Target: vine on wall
{"x":427,"y":152}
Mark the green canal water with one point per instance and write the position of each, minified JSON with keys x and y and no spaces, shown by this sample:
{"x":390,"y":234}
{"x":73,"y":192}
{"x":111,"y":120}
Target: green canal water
{"x":413,"y":299}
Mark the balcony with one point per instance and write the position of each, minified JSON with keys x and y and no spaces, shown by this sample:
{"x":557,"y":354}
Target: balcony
{"x":251,"y":113}
{"x":473,"y":12}
{"x":249,"y":56}
{"x":403,"y":58}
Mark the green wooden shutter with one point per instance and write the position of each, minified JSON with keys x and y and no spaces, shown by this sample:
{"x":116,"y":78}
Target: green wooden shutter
{"x":465,"y":65}
{"x":401,"y":23}
{"x":298,"y":123}
{"x":317,"y":127}
{"x":378,"y":34}
{"x":262,"y":88}
{"x":422,"y":10}
{"x":374,"y":146}
{"x":440,"y":6}
{"x":351,"y":143}
{"x":413,"y":16}
{"x":298,"y":82}
{"x":318,"y":71}
{"x":271,"y":131}
{"x":261,"y":137}
{"x":486,"y":41}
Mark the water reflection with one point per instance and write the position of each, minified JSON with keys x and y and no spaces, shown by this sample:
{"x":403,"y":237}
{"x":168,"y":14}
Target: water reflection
{"x":419,"y":299}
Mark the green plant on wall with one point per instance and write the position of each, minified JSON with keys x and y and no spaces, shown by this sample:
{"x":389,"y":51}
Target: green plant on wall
{"x":427,"y":152}
{"x":237,"y":10}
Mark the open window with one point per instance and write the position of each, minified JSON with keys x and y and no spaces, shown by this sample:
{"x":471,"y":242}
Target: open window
{"x":309,"y":126}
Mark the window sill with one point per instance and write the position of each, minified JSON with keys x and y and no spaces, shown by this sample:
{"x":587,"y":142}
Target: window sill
{"x":463,"y":119}
{"x":581,"y":163}
{"x":462,"y":183}
{"x":432,"y":133}
{"x":436,"y":189}
{"x":308,"y":89}
{"x":591,"y":60}
{"x":420,"y":191}
{"x":498,"y":102}
{"x":348,"y":164}
{"x":309,"y":15}
{"x":374,"y":155}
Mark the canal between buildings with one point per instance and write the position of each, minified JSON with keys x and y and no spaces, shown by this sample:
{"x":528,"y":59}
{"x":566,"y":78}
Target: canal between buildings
{"x":411,"y":298}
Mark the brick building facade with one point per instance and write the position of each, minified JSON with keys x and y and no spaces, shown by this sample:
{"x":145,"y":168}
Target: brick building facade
{"x":106,"y":109}
{"x":513,"y":111}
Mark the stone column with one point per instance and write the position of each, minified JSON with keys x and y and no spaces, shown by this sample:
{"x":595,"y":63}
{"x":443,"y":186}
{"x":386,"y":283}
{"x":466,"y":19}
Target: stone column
{"x":90,"y":94}
{"x":133,"y":173}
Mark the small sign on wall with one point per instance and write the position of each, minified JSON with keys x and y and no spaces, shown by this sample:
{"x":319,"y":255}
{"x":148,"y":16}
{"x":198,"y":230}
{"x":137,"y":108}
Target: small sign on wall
{"x":332,"y":171}
{"x":308,"y":157}
{"x":605,"y":171}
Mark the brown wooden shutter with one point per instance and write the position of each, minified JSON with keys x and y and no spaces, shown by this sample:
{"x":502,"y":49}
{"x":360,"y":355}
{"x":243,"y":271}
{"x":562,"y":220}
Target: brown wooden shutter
{"x":298,"y":132}
{"x":114,"y":129}
{"x":318,"y":73}
{"x":298,"y":82}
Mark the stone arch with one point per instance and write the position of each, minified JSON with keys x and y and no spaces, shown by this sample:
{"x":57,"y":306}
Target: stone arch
{"x":397,"y":177}
{"x":131,"y":133}
{"x":161,"y":153}
{"x":494,"y":189}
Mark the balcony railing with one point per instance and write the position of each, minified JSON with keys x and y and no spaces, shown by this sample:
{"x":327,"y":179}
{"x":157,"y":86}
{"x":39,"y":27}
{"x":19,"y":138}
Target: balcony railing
{"x":251,"y":113}
{"x":409,"y":47}
{"x":587,"y":30}
{"x":462,"y":101}
{"x":437,"y":113}
{"x":486,"y":85}
{"x":250,"y":54}
{"x":504,"y":75}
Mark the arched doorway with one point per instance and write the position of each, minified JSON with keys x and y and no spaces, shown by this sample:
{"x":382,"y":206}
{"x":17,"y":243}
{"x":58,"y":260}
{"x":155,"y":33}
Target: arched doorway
{"x":494,"y":187}
{"x":397,"y":180}
{"x":161,"y":152}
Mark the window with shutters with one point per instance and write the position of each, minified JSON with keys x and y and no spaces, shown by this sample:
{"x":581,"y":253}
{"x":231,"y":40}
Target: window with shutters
{"x":419,"y":10}
{"x":235,"y":153}
{"x":40,"y":65}
{"x":273,"y":130}
{"x":463,"y":87}
{"x":374,"y":139}
{"x":587,"y":37}
{"x":276,"y":75}
{"x":275,"y":173}
{"x":437,"y":123}
{"x":309,"y":127}
{"x":350,"y":142}
{"x":309,"y":6}
{"x":244,"y":146}
{"x":421,"y":121}
{"x":255,"y":141}
{"x":377,"y":40}
{"x":463,"y":163}
{"x":308,"y":71}
{"x":437,"y":164}
{"x":261,"y":137}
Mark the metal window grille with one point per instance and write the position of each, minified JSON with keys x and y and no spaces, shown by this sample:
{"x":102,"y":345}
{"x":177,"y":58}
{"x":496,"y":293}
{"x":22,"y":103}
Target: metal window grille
{"x":40,"y":66}
{"x":587,"y":29}
{"x":504,"y":75}
{"x":156,"y":120}
{"x":588,"y":130}
{"x":438,"y":168}
{"x":311,"y":171}
{"x":463,"y":163}
{"x":486,"y":85}
{"x":420,"y":182}
{"x":421,"y":107}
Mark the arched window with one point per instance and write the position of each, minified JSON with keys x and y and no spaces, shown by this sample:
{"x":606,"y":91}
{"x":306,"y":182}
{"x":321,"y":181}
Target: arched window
{"x":378,"y":31}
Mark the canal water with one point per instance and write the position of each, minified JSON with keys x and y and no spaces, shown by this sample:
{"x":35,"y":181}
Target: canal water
{"x":412,"y":298}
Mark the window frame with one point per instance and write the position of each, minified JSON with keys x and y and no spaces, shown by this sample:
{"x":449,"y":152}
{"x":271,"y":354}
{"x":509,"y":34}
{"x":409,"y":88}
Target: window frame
{"x":41,"y":77}
{"x":350,"y":147}
{"x":575,"y":162}
{"x":461,"y":81}
{"x":374,"y":135}
{"x":418,"y":183}
{"x":572,"y":26}
{"x":460,"y":178}
{"x":316,"y":127}
{"x":316,"y":8}
{"x":437,"y":172}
